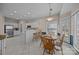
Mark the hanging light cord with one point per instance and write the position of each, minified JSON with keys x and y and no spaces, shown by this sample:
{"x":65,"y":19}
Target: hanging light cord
{"x":50,"y":10}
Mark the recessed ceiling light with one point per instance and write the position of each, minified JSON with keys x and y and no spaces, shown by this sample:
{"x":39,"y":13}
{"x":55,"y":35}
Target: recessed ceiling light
{"x":17,"y":18}
{"x":20,"y":16}
{"x":30,"y":10}
{"x":25,"y":15}
{"x":14,"y":11}
{"x":28,"y":13}
{"x":11,"y":14}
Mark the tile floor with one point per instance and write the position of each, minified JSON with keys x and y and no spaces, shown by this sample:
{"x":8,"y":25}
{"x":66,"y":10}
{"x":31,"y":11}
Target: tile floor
{"x":20,"y":46}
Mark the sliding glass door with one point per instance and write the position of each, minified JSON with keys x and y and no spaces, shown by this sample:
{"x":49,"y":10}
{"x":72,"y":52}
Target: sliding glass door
{"x":76,"y":31}
{"x":52,"y":28}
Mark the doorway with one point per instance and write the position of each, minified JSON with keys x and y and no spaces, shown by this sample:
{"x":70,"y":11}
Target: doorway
{"x":9,"y":30}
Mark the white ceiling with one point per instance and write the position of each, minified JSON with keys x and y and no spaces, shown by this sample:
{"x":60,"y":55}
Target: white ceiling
{"x":28,"y":11}
{"x":69,"y":7}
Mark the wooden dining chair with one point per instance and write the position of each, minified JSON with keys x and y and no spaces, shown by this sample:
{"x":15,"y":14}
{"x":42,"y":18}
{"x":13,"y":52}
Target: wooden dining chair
{"x":48,"y":45}
{"x":35,"y":36}
{"x":41,"y":39}
{"x":60,"y":43}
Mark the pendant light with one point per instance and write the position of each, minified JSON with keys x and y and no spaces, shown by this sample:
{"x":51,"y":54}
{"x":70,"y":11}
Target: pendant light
{"x":50,"y":18}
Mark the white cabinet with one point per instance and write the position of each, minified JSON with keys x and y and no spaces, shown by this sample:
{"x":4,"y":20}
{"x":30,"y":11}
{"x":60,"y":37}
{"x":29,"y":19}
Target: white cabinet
{"x":29,"y":34}
{"x":16,"y":32}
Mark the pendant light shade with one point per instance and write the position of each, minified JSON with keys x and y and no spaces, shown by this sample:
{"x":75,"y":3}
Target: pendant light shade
{"x":50,"y":18}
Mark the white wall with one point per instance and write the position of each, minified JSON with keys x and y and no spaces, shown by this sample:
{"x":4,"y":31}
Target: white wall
{"x":16,"y":25}
{"x":68,"y":8}
{"x":40,"y":23}
{"x":1,"y":25}
{"x":1,"y":29}
{"x":13,"y":22}
{"x":66,"y":11}
{"x":22,"y":26}
{"x":66,"y":14}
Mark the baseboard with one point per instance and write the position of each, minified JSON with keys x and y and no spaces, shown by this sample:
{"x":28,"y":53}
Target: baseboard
{"x":73,"y":47}
{"x":76,"y":49}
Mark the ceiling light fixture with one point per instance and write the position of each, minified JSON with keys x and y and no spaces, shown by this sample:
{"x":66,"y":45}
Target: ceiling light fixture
{"x":20,"y":17}
{"x":50,"y":18}
{"x":25,"y":15}
{"x":17,"y":18}
{"x":28,"y":13}
{"x":14,"y":11}
{"x":11,"y":14}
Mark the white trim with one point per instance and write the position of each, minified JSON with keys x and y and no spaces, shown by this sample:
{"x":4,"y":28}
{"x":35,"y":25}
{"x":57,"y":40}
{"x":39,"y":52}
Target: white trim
{"x":73,"y":13}
{"x":76,"y":48}
{"x":75,"y":28}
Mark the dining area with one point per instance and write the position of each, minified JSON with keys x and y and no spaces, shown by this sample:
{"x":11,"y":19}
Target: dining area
{"x":39,"y":29}
{"x":49,"y":43}
{"x":38,"y":44}
{"x":47,"y":33}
